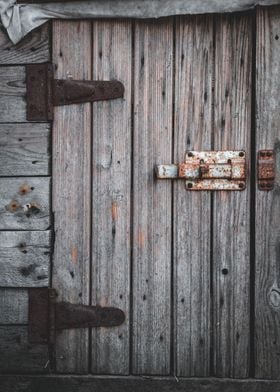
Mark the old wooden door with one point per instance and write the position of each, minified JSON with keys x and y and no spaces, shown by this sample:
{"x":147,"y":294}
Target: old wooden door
{"x":180,"y":264}
{"x":196,"y":273}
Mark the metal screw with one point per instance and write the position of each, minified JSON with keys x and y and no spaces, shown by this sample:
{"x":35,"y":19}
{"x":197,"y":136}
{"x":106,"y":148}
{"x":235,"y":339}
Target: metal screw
{"x":241,"y":185}
{"x":241,"y":154}
{"x":190,"y":185}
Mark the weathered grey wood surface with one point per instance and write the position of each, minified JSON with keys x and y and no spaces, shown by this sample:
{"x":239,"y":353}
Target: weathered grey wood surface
{"x":231,"y":210}
{"x":13,"y":306}
{"x":192,"y":210}
{"x":111,"y":146}
{"x":71,"y":190}
{"x":24,"y":149}
{"x":135,"y":384}
{"x":24,"y":203}
{"x":152,"y":234}
{"x":12,"y":92}
{"x":32,"y":49}
{"x":24,"y":258}
{"x":267,"y":284}
{"x":18,"y":355}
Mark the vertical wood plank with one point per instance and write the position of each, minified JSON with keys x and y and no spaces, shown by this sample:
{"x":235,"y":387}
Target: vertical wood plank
{"x":111,"y":186}
{"x":267,"y":279}
{"x":192,"y":210}
{"x":152,"y":198}
{"x":231,"y":210}
{"x":71,"y":190}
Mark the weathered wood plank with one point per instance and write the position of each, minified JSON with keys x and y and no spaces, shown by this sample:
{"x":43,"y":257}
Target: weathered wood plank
{"x":192,"y":210}
{"x":34,"y":48}
{"x":112,"y":59}
{"x":135,"y":384}
{"x":71,"y":190}
{"x":231,"y":217}
{"x":24,"y":149}
{"x":267,"y":279}
{"x":12,"y":94}
{"x":24,"y":258}
{"x":18,"y":355}
{"x":151,"y":198}
{"x":13,"y":306}
{"x":25,"y":203}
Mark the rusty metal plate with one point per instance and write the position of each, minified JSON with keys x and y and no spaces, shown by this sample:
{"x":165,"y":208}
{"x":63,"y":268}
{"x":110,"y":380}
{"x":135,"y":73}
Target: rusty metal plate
{"x":39,"y":92}
{"x":68,"y":316}
{"x":45,"y":315}
{"x":214,"y":170}
{"x":44,"y":92}
{"x":67,"y":92}
{"x":266,"y":170}
{"x":38,"y":315}
{"x":209,"y":170}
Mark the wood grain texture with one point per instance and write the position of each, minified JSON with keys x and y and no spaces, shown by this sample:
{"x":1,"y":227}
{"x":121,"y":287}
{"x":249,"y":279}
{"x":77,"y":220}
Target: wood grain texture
{"x":192,"y":210}
{"x":267,"y":279}
{"x":21,"y":383}
{"x":24,"y":149}
{"x":151,"y":198}
{"x":231,"y":217}
{"x":18,"y":355}
{"x":24,"y":258}
{"x":13,"y":306}
{"x":34,"y":48}
{"x":24,"y":203}
{"x":12,"y":94}
{"x":112,"y":59}
{"x":71,"y":190}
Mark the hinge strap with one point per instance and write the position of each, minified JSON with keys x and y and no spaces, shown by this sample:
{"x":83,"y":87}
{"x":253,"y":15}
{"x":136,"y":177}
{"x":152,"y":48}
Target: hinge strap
{"x":44,"y":92}
{"x":47,"y":316}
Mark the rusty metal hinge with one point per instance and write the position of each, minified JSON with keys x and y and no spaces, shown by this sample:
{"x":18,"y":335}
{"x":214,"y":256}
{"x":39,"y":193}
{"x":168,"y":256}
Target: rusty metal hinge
{"x":46,"y":315}
{"x":44,"y":92}
{"x":209,"y":170}
{"x":266,"y":170}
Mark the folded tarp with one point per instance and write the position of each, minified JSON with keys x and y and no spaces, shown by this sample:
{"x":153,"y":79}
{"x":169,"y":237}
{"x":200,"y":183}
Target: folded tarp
{"x":20,"y":19}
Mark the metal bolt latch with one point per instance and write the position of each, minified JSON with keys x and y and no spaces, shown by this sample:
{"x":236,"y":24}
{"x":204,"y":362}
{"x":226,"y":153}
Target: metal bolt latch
{"x":209,"y":170}
{"x":266,"y":170}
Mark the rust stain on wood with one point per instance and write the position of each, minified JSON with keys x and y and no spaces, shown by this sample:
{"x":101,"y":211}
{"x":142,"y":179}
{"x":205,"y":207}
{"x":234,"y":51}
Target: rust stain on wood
{"x":74,"y":255}
{"x":115,"y":211}
{"x":13,"y":206}
{"x":141,"y":238}
{"x":24,"y":189}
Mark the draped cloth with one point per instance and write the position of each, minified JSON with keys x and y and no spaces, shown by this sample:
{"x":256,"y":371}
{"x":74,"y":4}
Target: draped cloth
{"x":20,"y":19}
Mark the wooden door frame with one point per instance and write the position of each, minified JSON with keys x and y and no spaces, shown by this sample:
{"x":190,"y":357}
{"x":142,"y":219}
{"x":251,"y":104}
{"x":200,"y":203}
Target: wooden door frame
{"x":136,"y":384}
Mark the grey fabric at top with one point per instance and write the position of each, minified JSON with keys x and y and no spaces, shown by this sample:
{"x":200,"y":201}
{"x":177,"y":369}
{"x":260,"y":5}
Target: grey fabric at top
{"x":20,"y":19}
